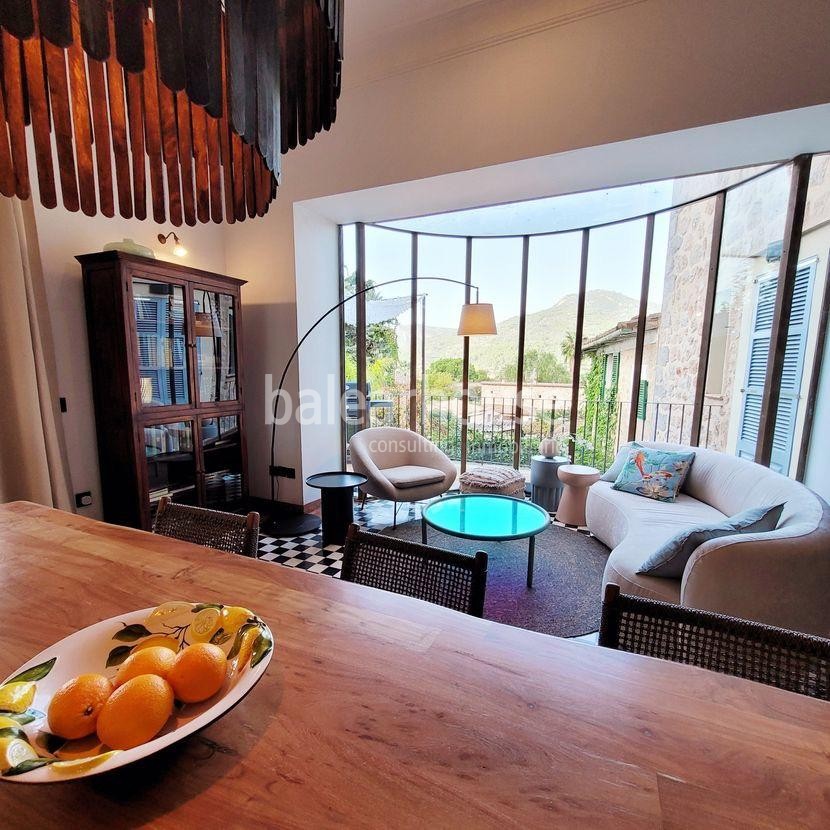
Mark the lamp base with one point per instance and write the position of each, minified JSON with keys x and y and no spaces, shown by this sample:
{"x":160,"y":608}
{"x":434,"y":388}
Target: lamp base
{"x":290,"y":524}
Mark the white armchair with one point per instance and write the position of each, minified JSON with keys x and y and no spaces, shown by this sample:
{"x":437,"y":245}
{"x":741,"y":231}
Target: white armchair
{"x":401,"y":465}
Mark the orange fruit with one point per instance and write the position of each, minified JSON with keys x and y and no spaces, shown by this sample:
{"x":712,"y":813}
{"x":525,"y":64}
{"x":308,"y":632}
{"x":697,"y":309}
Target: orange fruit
{"x":74,"y":708}
{"x":158,"y":640}
{"x":198,"y":673}
{"x":158,"y":660}
{"x":136,"y":712}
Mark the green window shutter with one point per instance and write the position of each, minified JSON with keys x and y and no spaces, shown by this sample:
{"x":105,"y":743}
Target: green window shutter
{"x":642,"y":400}
{"x":604,"y":376}
{"x":615,"y":372}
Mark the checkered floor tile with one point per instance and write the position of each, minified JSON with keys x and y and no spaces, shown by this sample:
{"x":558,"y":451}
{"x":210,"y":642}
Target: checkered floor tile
{"x":308,"y":553}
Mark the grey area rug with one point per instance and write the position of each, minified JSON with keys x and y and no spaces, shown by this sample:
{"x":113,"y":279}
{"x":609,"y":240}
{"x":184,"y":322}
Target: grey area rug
{"x":565,"y":599}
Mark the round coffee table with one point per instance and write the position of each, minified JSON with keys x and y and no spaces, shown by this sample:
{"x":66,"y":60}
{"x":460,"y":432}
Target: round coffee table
{"x":487,"y":518}
{"x":577,"y":478}
{"x":337,"y":497}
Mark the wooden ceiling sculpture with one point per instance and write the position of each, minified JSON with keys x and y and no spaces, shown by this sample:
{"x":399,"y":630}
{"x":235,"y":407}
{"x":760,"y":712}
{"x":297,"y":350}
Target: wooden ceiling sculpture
{"x":204,"y":95}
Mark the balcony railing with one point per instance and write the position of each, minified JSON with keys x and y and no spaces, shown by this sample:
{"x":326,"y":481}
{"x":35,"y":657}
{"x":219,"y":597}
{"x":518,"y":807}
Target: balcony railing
{"x":603,"y":425}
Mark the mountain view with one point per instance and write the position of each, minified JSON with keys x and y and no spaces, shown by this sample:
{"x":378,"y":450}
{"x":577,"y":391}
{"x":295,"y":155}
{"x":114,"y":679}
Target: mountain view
{"x":544,"y":331}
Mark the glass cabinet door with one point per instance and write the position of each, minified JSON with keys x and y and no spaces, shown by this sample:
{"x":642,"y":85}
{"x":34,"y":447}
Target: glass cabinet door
{"x":162,"y":342}
{"x":222,"y":454}
{"x":171,"y":463}
{"x":215,"y":328}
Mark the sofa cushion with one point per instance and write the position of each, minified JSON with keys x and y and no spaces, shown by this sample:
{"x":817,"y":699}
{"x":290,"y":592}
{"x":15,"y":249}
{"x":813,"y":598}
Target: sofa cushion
{"x":670,"y":559}
{"x":410,"y":475}
{"x":612,"y":515}
{"x":655,"y":474}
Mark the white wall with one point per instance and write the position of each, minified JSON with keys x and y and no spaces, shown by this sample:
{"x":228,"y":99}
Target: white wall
{"x":316,"y":244}
{"x":507,"y":80}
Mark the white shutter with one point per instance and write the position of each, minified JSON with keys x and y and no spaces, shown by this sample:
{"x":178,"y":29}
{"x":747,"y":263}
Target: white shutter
{"x":792,"y":371}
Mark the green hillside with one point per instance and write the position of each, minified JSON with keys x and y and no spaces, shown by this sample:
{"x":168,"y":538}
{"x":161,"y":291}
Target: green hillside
{"x":544,"y":331}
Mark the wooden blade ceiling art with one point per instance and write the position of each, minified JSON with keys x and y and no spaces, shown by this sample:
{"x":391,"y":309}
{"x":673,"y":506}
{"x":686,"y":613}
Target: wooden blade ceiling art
{"x":205,"y":95}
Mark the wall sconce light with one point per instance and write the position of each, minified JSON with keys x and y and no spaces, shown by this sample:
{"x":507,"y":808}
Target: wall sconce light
{"x":178,"y":248}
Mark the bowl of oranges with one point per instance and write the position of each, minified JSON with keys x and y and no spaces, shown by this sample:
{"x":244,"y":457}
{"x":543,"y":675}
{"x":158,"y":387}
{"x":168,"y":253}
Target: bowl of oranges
{"x":127,"y":687}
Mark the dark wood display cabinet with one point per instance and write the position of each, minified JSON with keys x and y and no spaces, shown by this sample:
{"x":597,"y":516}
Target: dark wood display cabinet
{"x":165,"y":351}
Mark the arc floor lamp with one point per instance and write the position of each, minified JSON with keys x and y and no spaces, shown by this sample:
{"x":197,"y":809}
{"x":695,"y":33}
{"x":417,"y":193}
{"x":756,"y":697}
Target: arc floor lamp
{"x":476,"y":319}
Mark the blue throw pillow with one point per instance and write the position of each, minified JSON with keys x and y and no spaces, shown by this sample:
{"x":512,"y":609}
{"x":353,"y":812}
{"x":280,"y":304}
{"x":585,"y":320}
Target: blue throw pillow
{"x":619,"y":461}
{"x":670,"y":560}
{"x":655,"y":474}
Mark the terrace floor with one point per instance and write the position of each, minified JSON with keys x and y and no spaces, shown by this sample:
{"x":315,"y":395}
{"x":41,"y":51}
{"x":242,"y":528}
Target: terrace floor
{"x":308,"y":553}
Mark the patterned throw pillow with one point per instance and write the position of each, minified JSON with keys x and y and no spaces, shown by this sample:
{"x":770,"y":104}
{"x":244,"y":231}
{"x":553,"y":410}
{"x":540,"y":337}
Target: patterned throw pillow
{"x":619,"y":461}
{"x":655,"y":474}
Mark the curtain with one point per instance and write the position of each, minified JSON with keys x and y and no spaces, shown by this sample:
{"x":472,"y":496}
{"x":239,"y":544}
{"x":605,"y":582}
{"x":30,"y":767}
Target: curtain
{"x":33,"y":461}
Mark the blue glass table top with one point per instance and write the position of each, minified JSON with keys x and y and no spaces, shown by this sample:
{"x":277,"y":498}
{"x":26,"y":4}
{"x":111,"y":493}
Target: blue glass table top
{"x":472,"y":516}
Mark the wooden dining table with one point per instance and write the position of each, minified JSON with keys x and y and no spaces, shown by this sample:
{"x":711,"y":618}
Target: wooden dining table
{"x":379,"y":710}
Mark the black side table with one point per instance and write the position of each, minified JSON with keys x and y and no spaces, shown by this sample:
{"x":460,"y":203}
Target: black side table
{"x":337,"y":496}
{"x":545,"y":486}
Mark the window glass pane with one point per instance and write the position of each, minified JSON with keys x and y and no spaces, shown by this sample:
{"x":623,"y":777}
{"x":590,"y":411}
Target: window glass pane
{"x":349,"y":312}
{"x":677,"y":297}
{"x":440,"y":349}
{"x":615,"y":273}
{"x":813,"y":258}
{"x":552,"y":294}
{"x":753,"y":227}
{"x":162,"y":342}
{"x":222,"y":452}
{"x":214,"y":320}
{"x":497,"y":270}
{"x":388,"y":317}
{"x":171,"y":462}
{"x":575,"y":210}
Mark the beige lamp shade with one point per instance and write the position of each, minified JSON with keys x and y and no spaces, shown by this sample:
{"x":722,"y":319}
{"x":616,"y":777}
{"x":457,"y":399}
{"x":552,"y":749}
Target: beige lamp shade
{"x":477,"y":318}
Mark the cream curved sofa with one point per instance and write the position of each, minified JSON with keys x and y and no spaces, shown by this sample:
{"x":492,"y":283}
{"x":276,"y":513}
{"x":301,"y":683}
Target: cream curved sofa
{"x":779,"y":578}
{"x":401,"y":465}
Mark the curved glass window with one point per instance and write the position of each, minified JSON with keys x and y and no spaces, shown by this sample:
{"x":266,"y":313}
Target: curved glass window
{"x":580,"y":355}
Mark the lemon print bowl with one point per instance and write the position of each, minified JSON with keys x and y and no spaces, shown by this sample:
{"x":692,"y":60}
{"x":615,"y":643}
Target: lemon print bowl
{"x":30,"y":754}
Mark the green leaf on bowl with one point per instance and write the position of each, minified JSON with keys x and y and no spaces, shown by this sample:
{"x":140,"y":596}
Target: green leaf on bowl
{"x":131,"y":633}
{"x":23,"y":718}
{"x":13,"y":732}
{"x":237,"y":643}
{"x":262,"y":645}
{"x":34,"y":673}
{"x":49,"y":742}
{"x":28,"y":766}
{"x":221,"y":636}
{"x":202,"y":605}
{"x":118,"y":655}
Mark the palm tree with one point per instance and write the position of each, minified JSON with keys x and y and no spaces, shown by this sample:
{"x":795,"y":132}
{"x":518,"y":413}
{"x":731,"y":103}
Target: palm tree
{"x":568,"y":346}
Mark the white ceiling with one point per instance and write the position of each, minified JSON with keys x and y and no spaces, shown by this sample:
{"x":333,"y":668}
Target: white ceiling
{"x":388,"y":37}
{"x":370,"y":20}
